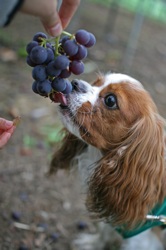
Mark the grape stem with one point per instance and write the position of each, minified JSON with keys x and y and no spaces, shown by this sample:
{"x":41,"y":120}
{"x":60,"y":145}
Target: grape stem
{"x":44,"y":41}
{"x":57,"y":45}
{"x":66,"y":33}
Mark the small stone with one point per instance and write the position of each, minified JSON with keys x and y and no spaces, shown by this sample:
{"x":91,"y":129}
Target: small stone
{"x":23,"y":247}
{"x":54,"y":236}
{"x":81,"y":225}
{"x":16,"y":215}
{"x":23,"y":197}
{"x":43,"y":225}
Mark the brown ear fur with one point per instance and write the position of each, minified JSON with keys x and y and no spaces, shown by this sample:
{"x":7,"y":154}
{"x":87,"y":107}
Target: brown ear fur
{"x":130,"y":180}
{"x":69,"y":147}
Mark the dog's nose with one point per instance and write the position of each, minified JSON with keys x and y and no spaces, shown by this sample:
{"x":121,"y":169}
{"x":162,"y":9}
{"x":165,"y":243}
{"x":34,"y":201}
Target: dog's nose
{"x":79,"y":86}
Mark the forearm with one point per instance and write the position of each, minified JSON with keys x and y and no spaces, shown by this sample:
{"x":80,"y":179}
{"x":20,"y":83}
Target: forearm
{"x":7,"y":10}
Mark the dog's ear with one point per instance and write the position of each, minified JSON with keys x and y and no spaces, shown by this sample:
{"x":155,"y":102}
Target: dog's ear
{"x":130,"y":180}
{"x":69,"y":148}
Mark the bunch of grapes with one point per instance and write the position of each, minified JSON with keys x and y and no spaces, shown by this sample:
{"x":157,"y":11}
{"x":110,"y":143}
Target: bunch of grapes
{"x":54,"y":60}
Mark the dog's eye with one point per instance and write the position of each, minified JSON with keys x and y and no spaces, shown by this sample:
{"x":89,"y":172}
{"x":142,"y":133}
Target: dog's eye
{"x":111,"y":101}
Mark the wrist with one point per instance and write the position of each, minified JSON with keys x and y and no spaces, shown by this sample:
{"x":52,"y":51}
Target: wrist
{"x":9,"y":8}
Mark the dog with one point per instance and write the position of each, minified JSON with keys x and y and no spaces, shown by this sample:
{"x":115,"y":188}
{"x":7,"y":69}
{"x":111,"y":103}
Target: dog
{"x":115,"y":135}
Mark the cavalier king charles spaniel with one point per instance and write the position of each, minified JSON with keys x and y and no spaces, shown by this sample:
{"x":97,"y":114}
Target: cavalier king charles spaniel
{"x":115,"y":136}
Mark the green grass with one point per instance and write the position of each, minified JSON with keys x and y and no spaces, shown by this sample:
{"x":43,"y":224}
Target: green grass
{"x":153,"y":9}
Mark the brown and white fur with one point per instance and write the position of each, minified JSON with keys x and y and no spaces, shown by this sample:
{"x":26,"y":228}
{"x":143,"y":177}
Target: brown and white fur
{"x":116,"y":135}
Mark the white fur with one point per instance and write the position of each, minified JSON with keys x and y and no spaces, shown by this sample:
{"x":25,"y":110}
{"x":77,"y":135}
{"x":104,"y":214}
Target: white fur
{"x":115,"y":78}
{"x":144,"y":241}
{"x":85,"y":163}
{"x":107,"y":238}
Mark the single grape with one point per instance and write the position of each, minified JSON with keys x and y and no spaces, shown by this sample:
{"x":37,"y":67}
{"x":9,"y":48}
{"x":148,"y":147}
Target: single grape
{"x":30,"y":46}
{"x":82,"y":37}
{"x":34,"y":87}
{"x":51,"y":70}
{"x":29,"y":62}
{"x":91,"y":42}
{"x":61,"y":62}
{"x":38,"y":54}
{"x":64,"y":39}
{"x":65,"y":73}
{"x":39,"y":36}
{"x":50,"y":55}
{"x":49,"y":45}
{"x":68,"y":88}
{"x":81,"y":54}
{"x":76,"y":67}
{"x":59,"y":84}
{"x":70,"y":47}
{"x":44,"y":87}
{"x":39,"y":73}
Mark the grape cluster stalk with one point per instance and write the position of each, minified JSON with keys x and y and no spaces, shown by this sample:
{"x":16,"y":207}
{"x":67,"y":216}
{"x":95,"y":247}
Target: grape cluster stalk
{"x":54,"y":59}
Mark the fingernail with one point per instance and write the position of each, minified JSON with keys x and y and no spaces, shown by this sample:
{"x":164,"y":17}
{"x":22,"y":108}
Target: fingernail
{"x":8,"y":124}
{"x":56,"y":30}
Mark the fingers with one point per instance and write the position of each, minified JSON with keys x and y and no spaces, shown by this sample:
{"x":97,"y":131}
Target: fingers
{"x":5,"y":124}
{"x":52,"y":24}
{"x":47,"y":12}
{"x":5,"y":136}
{"x":52,"y":21}
{"x":6,"y":130}
{"x":67,"y":10}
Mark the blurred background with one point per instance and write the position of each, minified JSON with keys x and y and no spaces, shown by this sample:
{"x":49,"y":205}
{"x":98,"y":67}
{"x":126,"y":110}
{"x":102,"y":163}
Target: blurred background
{"x":37,"y":212}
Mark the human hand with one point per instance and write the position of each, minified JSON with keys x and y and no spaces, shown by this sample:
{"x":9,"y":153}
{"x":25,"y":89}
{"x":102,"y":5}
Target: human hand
{"x":53,"y":21}
{"x":6,"y":130}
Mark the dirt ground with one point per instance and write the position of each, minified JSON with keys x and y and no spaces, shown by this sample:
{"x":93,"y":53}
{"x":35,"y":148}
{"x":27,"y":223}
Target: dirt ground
{"x":37,"y":212}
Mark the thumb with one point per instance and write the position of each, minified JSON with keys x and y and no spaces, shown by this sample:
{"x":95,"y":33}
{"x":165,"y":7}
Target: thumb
{"x":52,"y":24}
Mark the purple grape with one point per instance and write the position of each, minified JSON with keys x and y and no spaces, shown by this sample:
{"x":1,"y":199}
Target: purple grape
{"x":44,"y":87}
{"x":68,"y":88}
{"x":82,"y":37}
{"x":91,"y":42}
{"x":70,"y":47}
{"x":39,"y":36}
{"x":61,"y":62}
{"x":81,"y":54}
{"x":49,"y":45}
{"x":30,"y":46}
{"x":38,"y":54}
{"x":29,"y":62}
{"x":76,"y":67}
{"x":65,"y":73}
{"x":39,"y":73}
{"x":34,"y":87}
{"x":64,"y":39}
{"x":50,"y":55}
{"x":59,"y":84}
{"x":51,"y":70}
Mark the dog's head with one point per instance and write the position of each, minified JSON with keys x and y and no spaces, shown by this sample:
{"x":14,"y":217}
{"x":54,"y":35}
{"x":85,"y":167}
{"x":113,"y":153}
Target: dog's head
{"x":117,"y":116}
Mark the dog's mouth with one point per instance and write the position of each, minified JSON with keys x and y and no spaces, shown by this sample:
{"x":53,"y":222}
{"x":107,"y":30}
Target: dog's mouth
{"x":66,"y":111}
{"x":60,"y":98}
{"x":63,"y":101}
